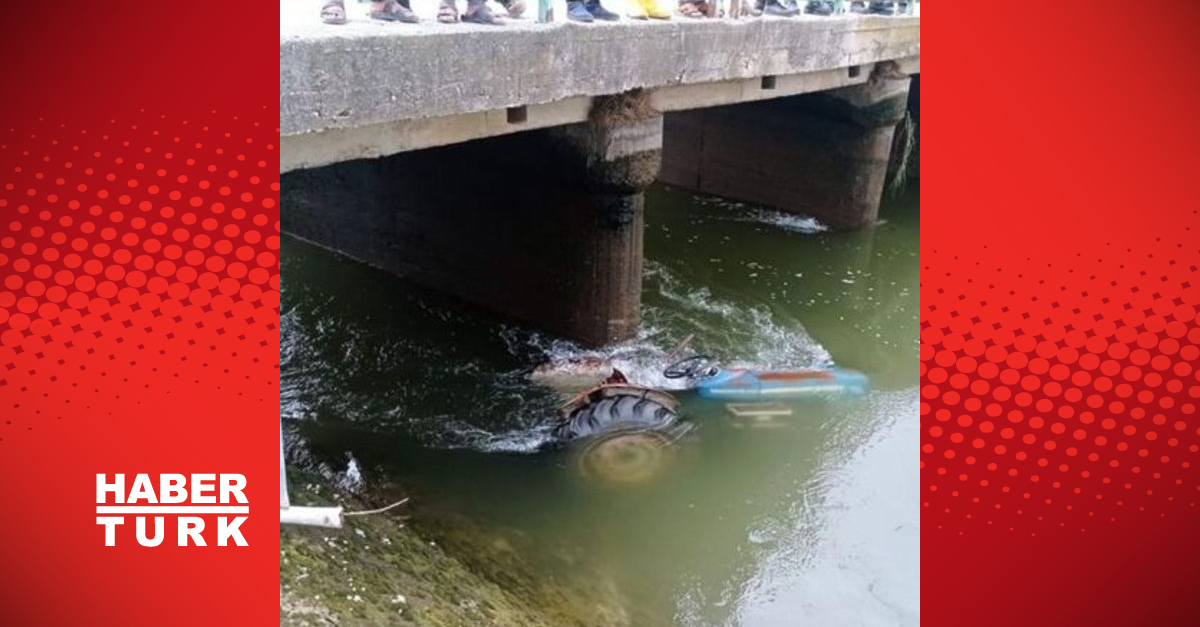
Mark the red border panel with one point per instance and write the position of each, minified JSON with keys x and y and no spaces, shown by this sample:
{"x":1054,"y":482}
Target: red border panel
{"x":1059,"y":332}
{"x":139,"y":280}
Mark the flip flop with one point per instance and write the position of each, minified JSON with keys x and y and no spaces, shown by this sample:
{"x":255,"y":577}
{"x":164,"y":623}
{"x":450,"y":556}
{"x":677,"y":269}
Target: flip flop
{"x":697,"y":9}
{"x":447,"y":12}
{"x":333,"y":12}
{"x":394,"y":11}
{"x":478,"y":13}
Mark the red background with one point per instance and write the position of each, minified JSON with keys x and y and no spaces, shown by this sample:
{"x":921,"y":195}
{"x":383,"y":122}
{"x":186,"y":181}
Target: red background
{"x":1059,"y":246}
{"x":165,"y":359}
{"x":1059,"y":161}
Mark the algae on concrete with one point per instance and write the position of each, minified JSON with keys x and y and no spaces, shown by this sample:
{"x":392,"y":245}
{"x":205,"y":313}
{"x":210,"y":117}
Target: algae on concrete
{"x":446,"y":572}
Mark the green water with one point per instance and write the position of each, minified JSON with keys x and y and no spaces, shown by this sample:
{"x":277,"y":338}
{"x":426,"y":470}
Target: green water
{"x":811,"y":521}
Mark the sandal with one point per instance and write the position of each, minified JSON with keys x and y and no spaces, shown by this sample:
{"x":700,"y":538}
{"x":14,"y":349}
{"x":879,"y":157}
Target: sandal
{"x":333,"y":12}
{"x":478,"y":13}
{"x":515,"y":8}
{"x":394,"y":11}
{"x":695,"y":9}
{"x":743,"y":8}
{"x":447,"y":12}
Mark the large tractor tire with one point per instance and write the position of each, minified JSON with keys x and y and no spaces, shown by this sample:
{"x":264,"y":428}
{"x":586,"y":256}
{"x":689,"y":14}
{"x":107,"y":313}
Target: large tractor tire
{"x":621,"y":433}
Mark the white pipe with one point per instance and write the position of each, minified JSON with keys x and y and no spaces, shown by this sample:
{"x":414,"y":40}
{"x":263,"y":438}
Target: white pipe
{"x":311,"y":516}
{"x":283,"y":490}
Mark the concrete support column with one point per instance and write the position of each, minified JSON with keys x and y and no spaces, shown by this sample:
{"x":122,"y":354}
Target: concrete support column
{"x":824,"y":155}
{"x":543,"y":226}
{"x":603,"y":168}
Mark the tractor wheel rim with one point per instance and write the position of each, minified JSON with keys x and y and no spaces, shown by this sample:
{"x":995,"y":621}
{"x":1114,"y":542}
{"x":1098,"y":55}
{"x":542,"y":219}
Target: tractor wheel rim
{"x":626,"y":457}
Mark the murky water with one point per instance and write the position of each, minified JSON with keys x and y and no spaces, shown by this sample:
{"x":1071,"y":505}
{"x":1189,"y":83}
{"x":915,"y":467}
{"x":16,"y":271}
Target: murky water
{"x":811,"y":521}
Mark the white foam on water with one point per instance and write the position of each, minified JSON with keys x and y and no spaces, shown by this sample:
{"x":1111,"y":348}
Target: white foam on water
{"x":741,"y":212}
{"x":786,"y":221}
{"x":513,"y":441}
{"x":508,"y":412}
{"x":735,"y":336}
{"x":351,"y":479}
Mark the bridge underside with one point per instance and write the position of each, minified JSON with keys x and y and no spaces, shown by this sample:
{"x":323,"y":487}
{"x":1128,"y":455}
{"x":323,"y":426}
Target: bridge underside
{"x":506,"y":165}
{"x":545,"y":226}
{"x":825,"y":155}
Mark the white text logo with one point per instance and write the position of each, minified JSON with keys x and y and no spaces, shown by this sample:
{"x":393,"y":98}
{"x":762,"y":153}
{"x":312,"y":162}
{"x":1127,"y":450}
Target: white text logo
{"x":184,"y":497}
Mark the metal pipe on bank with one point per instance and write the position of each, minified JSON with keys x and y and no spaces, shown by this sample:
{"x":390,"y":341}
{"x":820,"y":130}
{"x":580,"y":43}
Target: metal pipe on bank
{"x":307,"y":516}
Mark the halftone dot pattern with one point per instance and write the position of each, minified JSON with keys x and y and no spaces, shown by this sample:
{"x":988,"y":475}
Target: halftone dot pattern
{"x":1057,"y":398}
{"x":137,"y":256}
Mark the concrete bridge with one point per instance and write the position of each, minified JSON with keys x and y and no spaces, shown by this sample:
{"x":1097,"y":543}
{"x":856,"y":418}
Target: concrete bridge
{"x":506,"y":165}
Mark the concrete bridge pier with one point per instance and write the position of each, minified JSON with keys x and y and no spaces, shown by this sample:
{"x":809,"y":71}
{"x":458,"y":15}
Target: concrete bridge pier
{"x":543,"y":226}
{"x":914,"y":112}
{"x":824,"y":154}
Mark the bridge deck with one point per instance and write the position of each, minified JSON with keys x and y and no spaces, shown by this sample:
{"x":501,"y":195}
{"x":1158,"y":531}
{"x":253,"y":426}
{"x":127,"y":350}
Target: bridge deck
{"x":368,"y":88}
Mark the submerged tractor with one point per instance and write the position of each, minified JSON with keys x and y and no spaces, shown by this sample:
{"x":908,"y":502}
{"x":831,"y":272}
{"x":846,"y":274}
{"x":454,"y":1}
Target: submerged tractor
{"x":622,"y":431}
{"x":743,"y":384}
